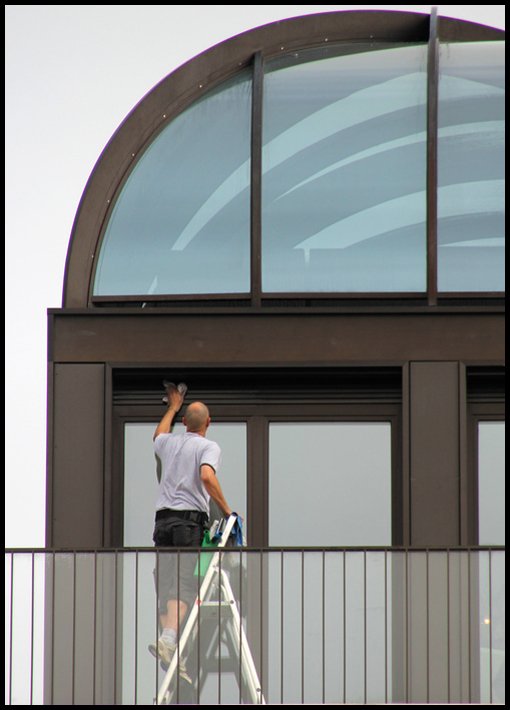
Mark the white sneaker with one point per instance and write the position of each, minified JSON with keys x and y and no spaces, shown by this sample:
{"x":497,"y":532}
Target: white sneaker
{"x":165,"y":652}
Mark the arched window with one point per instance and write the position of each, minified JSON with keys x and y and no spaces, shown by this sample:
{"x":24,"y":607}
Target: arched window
{"x":352,"y":164}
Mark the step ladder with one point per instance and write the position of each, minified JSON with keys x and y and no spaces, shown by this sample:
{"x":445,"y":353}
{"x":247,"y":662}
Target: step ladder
{"x":215,"y":598}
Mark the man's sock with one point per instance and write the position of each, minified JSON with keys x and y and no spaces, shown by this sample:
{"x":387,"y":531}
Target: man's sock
{"x":169,"y":636}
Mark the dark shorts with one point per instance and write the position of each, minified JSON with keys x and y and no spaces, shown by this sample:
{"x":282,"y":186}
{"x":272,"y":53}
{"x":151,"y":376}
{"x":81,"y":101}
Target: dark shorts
{"x":174,"y":575}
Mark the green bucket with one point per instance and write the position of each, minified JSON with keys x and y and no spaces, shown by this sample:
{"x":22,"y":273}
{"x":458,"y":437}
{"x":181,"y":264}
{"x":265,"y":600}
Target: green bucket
{"x":204,"y":558}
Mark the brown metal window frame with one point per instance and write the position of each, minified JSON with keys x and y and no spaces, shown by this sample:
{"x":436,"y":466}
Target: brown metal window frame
{"x":435,"y":30}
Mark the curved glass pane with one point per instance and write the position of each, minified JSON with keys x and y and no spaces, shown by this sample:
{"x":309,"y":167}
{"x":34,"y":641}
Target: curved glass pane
{"x":344,"y":168}
{"x":181,"y":223}
{"x":471,"y":236}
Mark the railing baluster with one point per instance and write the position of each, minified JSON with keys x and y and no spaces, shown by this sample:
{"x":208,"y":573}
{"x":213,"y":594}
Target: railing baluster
{"x":115,"y":635}
{"x":282,"y":638}
{"x":52,"y":660}
{"x":345,"y":632}
{"x":365,"y":626}
{"x":136,"y":630}
{"x":219,"y":627}
{"x":448,"y":622}
{"x":11,"y":627}
{"x":94,"y":657}
{"x":406,"y":662}
{"x":32,"y":600}
{"x":302,"y":626}
{"x":490,"y":627}
{"x":240,"y":629}
{"x":469,"y":626}
{"x":156,"y":581}
{"x":323,"y":627}
{"x":198,"y":629}
{"x":385,"y":628}
{"x":74,"y":630}
{"x":261,"y":664}
{"x":178,"y":616}
{"x":427,"y":622}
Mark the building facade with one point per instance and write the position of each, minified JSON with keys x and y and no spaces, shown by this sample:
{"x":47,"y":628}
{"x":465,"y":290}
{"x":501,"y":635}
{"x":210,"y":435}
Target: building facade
{"x":304,"y":224}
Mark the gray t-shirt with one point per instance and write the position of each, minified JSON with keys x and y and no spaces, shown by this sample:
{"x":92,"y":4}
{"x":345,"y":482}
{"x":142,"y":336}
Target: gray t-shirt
{"x":181,"y":456}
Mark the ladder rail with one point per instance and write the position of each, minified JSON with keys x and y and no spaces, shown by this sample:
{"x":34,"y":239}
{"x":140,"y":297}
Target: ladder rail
{"x":241,"y":640}
{"x":190,"y":623}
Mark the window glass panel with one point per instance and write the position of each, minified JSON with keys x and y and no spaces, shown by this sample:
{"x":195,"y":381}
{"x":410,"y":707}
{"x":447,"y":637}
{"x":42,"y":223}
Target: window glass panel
{"x":491,"y":483}
{"x":471,"y":237}
{"x":330,"y":483}
{"x":141,"y":484}
{"x":182,"y":221}
{"x":344,"y":168}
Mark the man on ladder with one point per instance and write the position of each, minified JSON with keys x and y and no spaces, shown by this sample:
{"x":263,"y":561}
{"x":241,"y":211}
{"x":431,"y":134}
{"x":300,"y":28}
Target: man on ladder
{"x":189,"y":463}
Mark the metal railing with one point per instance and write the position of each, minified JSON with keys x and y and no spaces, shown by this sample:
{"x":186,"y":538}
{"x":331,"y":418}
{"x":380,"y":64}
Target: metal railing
{"x":328,"y":625}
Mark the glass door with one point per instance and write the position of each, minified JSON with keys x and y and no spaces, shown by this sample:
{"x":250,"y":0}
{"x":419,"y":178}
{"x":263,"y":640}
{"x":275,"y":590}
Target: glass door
{"x":330,"y":485}
{"x":139,"y":613}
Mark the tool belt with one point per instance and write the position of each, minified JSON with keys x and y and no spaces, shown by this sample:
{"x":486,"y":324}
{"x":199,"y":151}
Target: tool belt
{"x":195,"y":516}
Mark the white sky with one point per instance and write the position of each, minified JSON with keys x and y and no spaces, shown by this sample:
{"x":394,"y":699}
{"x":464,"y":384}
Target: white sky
{"x":73,"y":73}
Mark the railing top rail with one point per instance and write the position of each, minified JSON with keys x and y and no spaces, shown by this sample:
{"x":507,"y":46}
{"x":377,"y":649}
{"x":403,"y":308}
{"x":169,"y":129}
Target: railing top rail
{"x":294,"y":549}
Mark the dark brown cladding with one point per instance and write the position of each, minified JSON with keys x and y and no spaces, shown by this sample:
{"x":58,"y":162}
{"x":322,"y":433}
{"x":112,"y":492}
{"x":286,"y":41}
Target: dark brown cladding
{"x":263,"y":338}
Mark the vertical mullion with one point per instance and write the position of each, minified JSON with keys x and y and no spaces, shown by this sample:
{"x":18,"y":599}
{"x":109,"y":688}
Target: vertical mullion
{"x":256,"y":182}
{"x":432,"y":141}
{"x":258,"y":483}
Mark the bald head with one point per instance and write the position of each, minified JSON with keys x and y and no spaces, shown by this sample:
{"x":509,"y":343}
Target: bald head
{"x":196,"y":419}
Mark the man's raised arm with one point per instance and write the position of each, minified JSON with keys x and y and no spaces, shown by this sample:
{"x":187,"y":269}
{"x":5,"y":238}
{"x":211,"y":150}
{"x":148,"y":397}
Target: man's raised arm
{"x":175,"y":399}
